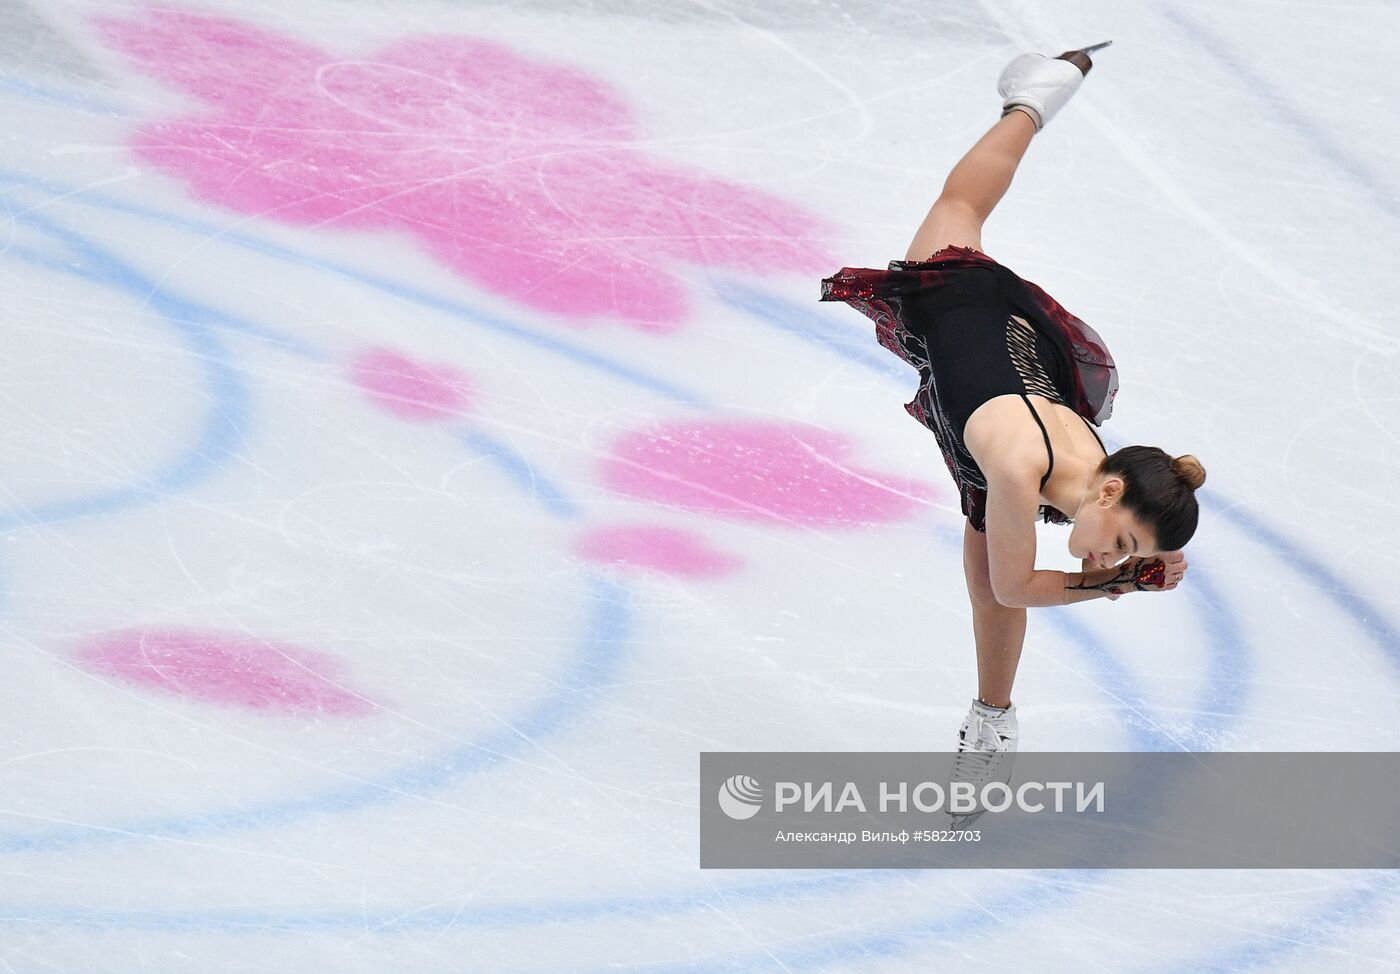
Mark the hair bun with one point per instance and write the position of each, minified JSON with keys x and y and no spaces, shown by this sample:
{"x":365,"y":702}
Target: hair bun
{"x":1189,"y":469}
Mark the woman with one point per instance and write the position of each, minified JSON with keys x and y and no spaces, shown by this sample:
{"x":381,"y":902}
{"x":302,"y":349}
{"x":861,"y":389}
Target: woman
{"x":1009,"y":382}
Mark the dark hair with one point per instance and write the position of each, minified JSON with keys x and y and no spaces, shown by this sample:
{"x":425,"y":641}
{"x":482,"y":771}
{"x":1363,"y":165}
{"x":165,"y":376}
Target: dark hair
{"x":1159,"y":490}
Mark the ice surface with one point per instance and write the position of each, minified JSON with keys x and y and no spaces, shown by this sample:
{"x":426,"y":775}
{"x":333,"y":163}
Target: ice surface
{"x":421,"y":439}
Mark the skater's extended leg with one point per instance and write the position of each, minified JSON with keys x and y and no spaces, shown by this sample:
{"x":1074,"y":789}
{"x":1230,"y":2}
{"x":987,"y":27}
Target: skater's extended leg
{"x":974,"y":187}
{"x":999,"y":630}
{"x":1033,"y":88}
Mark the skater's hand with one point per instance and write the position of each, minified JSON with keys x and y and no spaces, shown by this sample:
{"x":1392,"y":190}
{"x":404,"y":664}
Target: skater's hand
{"x":1174,"y":563}
{"x":1151,"y":574}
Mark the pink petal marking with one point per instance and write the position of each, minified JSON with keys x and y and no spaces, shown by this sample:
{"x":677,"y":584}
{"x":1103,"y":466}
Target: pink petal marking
{"x":522,"y":176}
{"x":758,"y":472}
{"x":667,"y":550}
{"x":408,"y":389}
{"x":234,"y":670}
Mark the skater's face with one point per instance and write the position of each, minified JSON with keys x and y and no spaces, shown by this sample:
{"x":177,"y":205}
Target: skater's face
{"x":1104,"y":532}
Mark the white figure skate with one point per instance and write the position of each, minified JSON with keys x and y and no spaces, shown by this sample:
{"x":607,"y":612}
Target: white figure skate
{"x":1041,"y":85}
{"x":986,"y":752}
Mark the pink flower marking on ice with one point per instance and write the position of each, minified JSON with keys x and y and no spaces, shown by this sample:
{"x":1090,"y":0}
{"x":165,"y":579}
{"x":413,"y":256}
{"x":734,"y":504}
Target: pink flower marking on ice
{"x":408,"y":389}
{"x":668,"y":550}
{"x":520,"y":175}
{"x":757,"y":472}
{"x":221,"y":668}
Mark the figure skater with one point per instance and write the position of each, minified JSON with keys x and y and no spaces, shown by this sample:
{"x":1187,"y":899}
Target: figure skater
{"x":1009,"y":384}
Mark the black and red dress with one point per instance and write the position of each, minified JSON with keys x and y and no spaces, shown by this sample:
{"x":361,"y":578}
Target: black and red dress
{"x":975,"y":330}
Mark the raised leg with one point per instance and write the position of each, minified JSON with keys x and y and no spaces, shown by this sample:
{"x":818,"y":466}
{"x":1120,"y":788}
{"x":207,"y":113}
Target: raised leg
{"x":1000,"y":631}
{"x":974,"y":187}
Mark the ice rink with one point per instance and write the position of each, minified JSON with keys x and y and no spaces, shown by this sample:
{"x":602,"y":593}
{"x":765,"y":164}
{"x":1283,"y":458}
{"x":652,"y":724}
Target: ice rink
{"x":421,"y":439}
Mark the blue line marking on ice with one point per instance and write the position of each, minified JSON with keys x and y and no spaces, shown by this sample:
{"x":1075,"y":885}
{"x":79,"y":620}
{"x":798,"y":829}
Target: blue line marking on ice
{"x":574,"y":352}
{"x":534,"y":484}
{"x":220,"y":433}
{"x":601,"y":649}
{"x":1347,"y":909}
{"x":19,"y":86}
{"x":1368,"y":615}
{"x":208,"y":315}
{"x":855,"y":345}
{"x":218,"y":440}
{"x":1321,"y":140}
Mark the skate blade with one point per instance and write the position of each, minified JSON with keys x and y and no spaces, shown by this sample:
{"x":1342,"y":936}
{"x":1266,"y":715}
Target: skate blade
{"x":1080,"y":56}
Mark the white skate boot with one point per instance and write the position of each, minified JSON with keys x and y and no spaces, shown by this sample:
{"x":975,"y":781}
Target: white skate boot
{"x":1041,"y":85}
{"x":986,"y":752}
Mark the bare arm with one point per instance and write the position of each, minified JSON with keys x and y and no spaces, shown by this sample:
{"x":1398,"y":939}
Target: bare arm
{"x":1067,"y":588}
{"x":1013,"y":498}
{"x":1132,"y":575}
{"x":1012,"y":501}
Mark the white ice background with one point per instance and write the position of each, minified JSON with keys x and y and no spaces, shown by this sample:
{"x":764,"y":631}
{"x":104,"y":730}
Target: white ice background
{"x":183,"y":445}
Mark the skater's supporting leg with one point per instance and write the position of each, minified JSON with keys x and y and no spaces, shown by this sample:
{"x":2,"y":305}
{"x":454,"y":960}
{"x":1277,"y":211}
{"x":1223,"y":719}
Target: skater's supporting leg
{"x":974,"y":187}
{"x":1000,"y":631}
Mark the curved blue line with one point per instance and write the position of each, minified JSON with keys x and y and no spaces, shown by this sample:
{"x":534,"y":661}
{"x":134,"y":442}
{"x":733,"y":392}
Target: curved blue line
{"x":218,"y":439}
{"x":854,"y":344}
{"x":1282,"y":109}
{"x":1367,"y":614}
{"x":607,"y":632}
{"x":207,"y":315}
{"x":19,"y":86}
{"x":219,"y":435}
{"x":575,"y":353}
{"x":1226,"y":675}
{"x":1360,"y":902}
{"x":539,"y":488}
